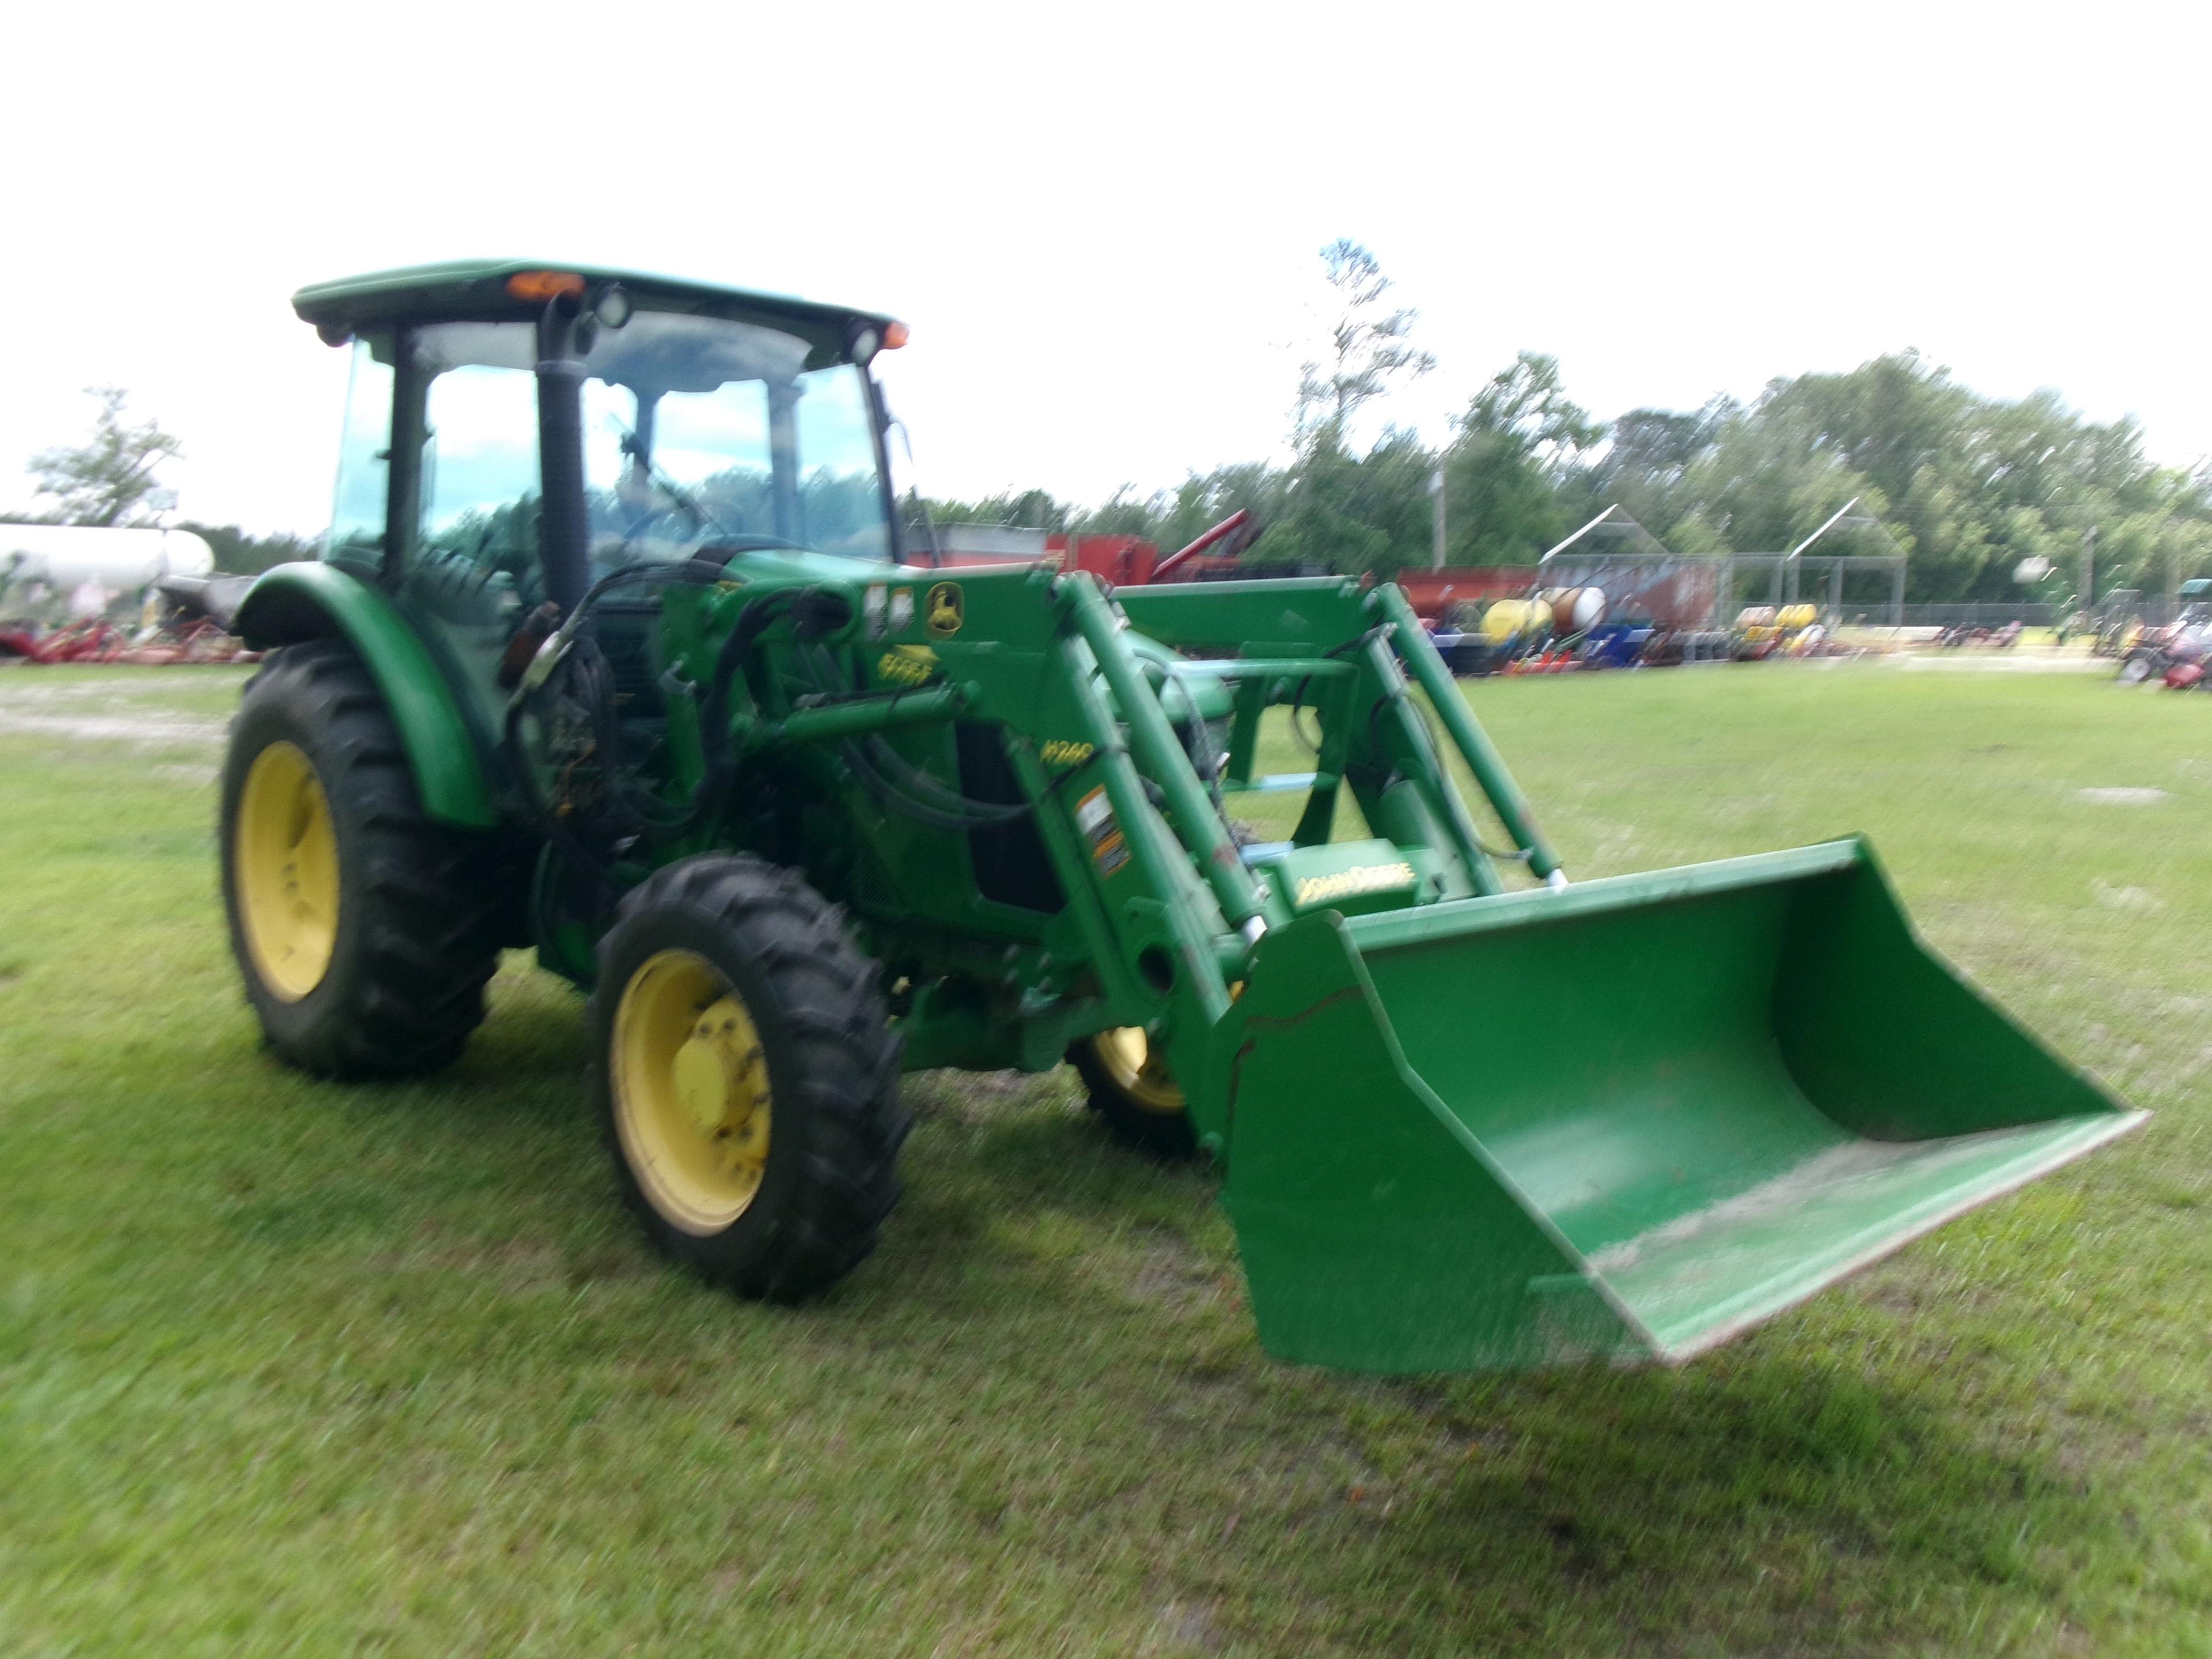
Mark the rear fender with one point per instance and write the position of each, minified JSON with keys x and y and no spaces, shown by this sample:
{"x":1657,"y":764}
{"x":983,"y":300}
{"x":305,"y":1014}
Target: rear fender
{"x":293,"y":603}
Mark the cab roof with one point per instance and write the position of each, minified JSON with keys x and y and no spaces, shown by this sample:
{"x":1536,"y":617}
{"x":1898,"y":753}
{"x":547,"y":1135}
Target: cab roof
{"x":477,"y":289}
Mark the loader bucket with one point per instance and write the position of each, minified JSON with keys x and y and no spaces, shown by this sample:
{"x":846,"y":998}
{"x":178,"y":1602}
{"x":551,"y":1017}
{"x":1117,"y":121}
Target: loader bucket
{"x":1630,"y":1118}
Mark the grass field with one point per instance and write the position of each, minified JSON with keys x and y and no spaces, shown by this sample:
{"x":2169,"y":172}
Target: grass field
{"x":287,"y":1367}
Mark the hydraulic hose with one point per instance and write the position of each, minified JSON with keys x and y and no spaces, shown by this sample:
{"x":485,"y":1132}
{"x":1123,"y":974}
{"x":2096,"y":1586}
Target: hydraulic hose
{"x":820,"y":612}
{"x":584,"y":670}
{"x":897,"y":785}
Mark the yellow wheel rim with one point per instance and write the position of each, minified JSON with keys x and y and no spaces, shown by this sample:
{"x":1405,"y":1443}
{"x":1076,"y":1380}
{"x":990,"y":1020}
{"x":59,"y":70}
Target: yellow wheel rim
{"x":284,"y":868}
{"x":690,"y":1092}
{"x":1138,"y":1071}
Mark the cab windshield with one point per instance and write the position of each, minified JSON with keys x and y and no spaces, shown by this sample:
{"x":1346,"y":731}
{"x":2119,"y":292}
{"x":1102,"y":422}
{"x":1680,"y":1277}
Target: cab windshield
{"x":698,"y":429}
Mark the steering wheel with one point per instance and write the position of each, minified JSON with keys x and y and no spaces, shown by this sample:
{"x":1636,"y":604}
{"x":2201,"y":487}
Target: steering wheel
{"x":645,"y":518}
{"x":729,"y":544}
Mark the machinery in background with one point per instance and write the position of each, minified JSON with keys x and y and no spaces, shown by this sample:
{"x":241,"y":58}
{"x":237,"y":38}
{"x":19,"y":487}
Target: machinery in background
{"x":2151,"y":652}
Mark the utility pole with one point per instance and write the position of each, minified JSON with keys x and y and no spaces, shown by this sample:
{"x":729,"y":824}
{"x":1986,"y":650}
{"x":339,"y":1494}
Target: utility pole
{"x":2089,"y":569}
{"x":1437,"y":495}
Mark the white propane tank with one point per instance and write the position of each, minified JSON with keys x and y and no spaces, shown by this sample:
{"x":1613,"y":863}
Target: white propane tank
{"x":66,"y":556}
{"x":1575,"y":610}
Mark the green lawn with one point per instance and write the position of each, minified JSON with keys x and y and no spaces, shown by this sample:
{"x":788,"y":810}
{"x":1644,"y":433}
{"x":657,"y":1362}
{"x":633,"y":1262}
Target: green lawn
{"x":292,"y":1367}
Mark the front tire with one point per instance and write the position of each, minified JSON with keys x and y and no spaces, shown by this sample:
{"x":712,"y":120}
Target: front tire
{"x":364,"y":931}
{"x":748,"y":1076}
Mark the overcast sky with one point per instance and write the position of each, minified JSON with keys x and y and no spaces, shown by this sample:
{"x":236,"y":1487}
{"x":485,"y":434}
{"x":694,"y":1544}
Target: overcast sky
{"x":1101,"y":221}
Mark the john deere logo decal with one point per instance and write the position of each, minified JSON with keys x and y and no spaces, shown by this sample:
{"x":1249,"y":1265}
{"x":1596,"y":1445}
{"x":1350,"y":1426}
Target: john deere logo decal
{"x":943,"y":610}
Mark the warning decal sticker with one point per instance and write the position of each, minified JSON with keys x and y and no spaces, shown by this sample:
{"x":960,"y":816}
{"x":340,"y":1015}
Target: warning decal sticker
{"x":1094,"y":816}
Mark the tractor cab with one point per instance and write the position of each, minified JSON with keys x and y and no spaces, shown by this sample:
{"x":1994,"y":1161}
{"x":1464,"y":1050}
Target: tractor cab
{"x":514,"y":434}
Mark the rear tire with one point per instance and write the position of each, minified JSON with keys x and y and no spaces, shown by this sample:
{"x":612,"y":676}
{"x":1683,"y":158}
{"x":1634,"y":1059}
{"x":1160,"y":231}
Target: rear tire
{"x":1142,"y":1106}
{"x":748,"y":1076}
{"x":364,"y":930}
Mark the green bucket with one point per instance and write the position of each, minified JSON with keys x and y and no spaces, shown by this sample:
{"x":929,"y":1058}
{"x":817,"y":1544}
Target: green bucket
{"x":1630,"y":1118}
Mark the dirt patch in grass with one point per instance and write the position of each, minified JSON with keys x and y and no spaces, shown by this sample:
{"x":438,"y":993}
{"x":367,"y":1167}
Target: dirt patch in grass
{"x":139,"y":731}
{"x":1171,"y":1275}
{"x":2129,"y":796}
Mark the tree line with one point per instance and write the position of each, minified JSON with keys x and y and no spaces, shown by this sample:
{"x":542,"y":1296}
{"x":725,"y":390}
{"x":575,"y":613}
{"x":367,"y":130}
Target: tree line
{"x":1968,"y":487}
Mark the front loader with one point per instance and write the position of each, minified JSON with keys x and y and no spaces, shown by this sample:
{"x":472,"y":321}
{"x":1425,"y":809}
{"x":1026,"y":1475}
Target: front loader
{"x":616,"y":651}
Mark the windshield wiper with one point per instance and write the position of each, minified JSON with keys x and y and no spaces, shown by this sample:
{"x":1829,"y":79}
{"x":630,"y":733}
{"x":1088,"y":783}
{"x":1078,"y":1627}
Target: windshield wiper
{"x":675,"y":492}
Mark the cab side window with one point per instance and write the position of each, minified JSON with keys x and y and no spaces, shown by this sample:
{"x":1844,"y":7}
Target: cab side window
{"x":480,"y":477}
{"x":475,"y":573}
{"x":357,"y":506}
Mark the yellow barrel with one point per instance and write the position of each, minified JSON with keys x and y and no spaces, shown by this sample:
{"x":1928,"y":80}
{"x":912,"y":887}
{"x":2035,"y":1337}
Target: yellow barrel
{"x":1795,"y":617}
{"x":1513,"y":619}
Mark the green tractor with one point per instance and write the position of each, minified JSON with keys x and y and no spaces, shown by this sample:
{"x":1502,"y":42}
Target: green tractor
{"x":617,"y":651}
